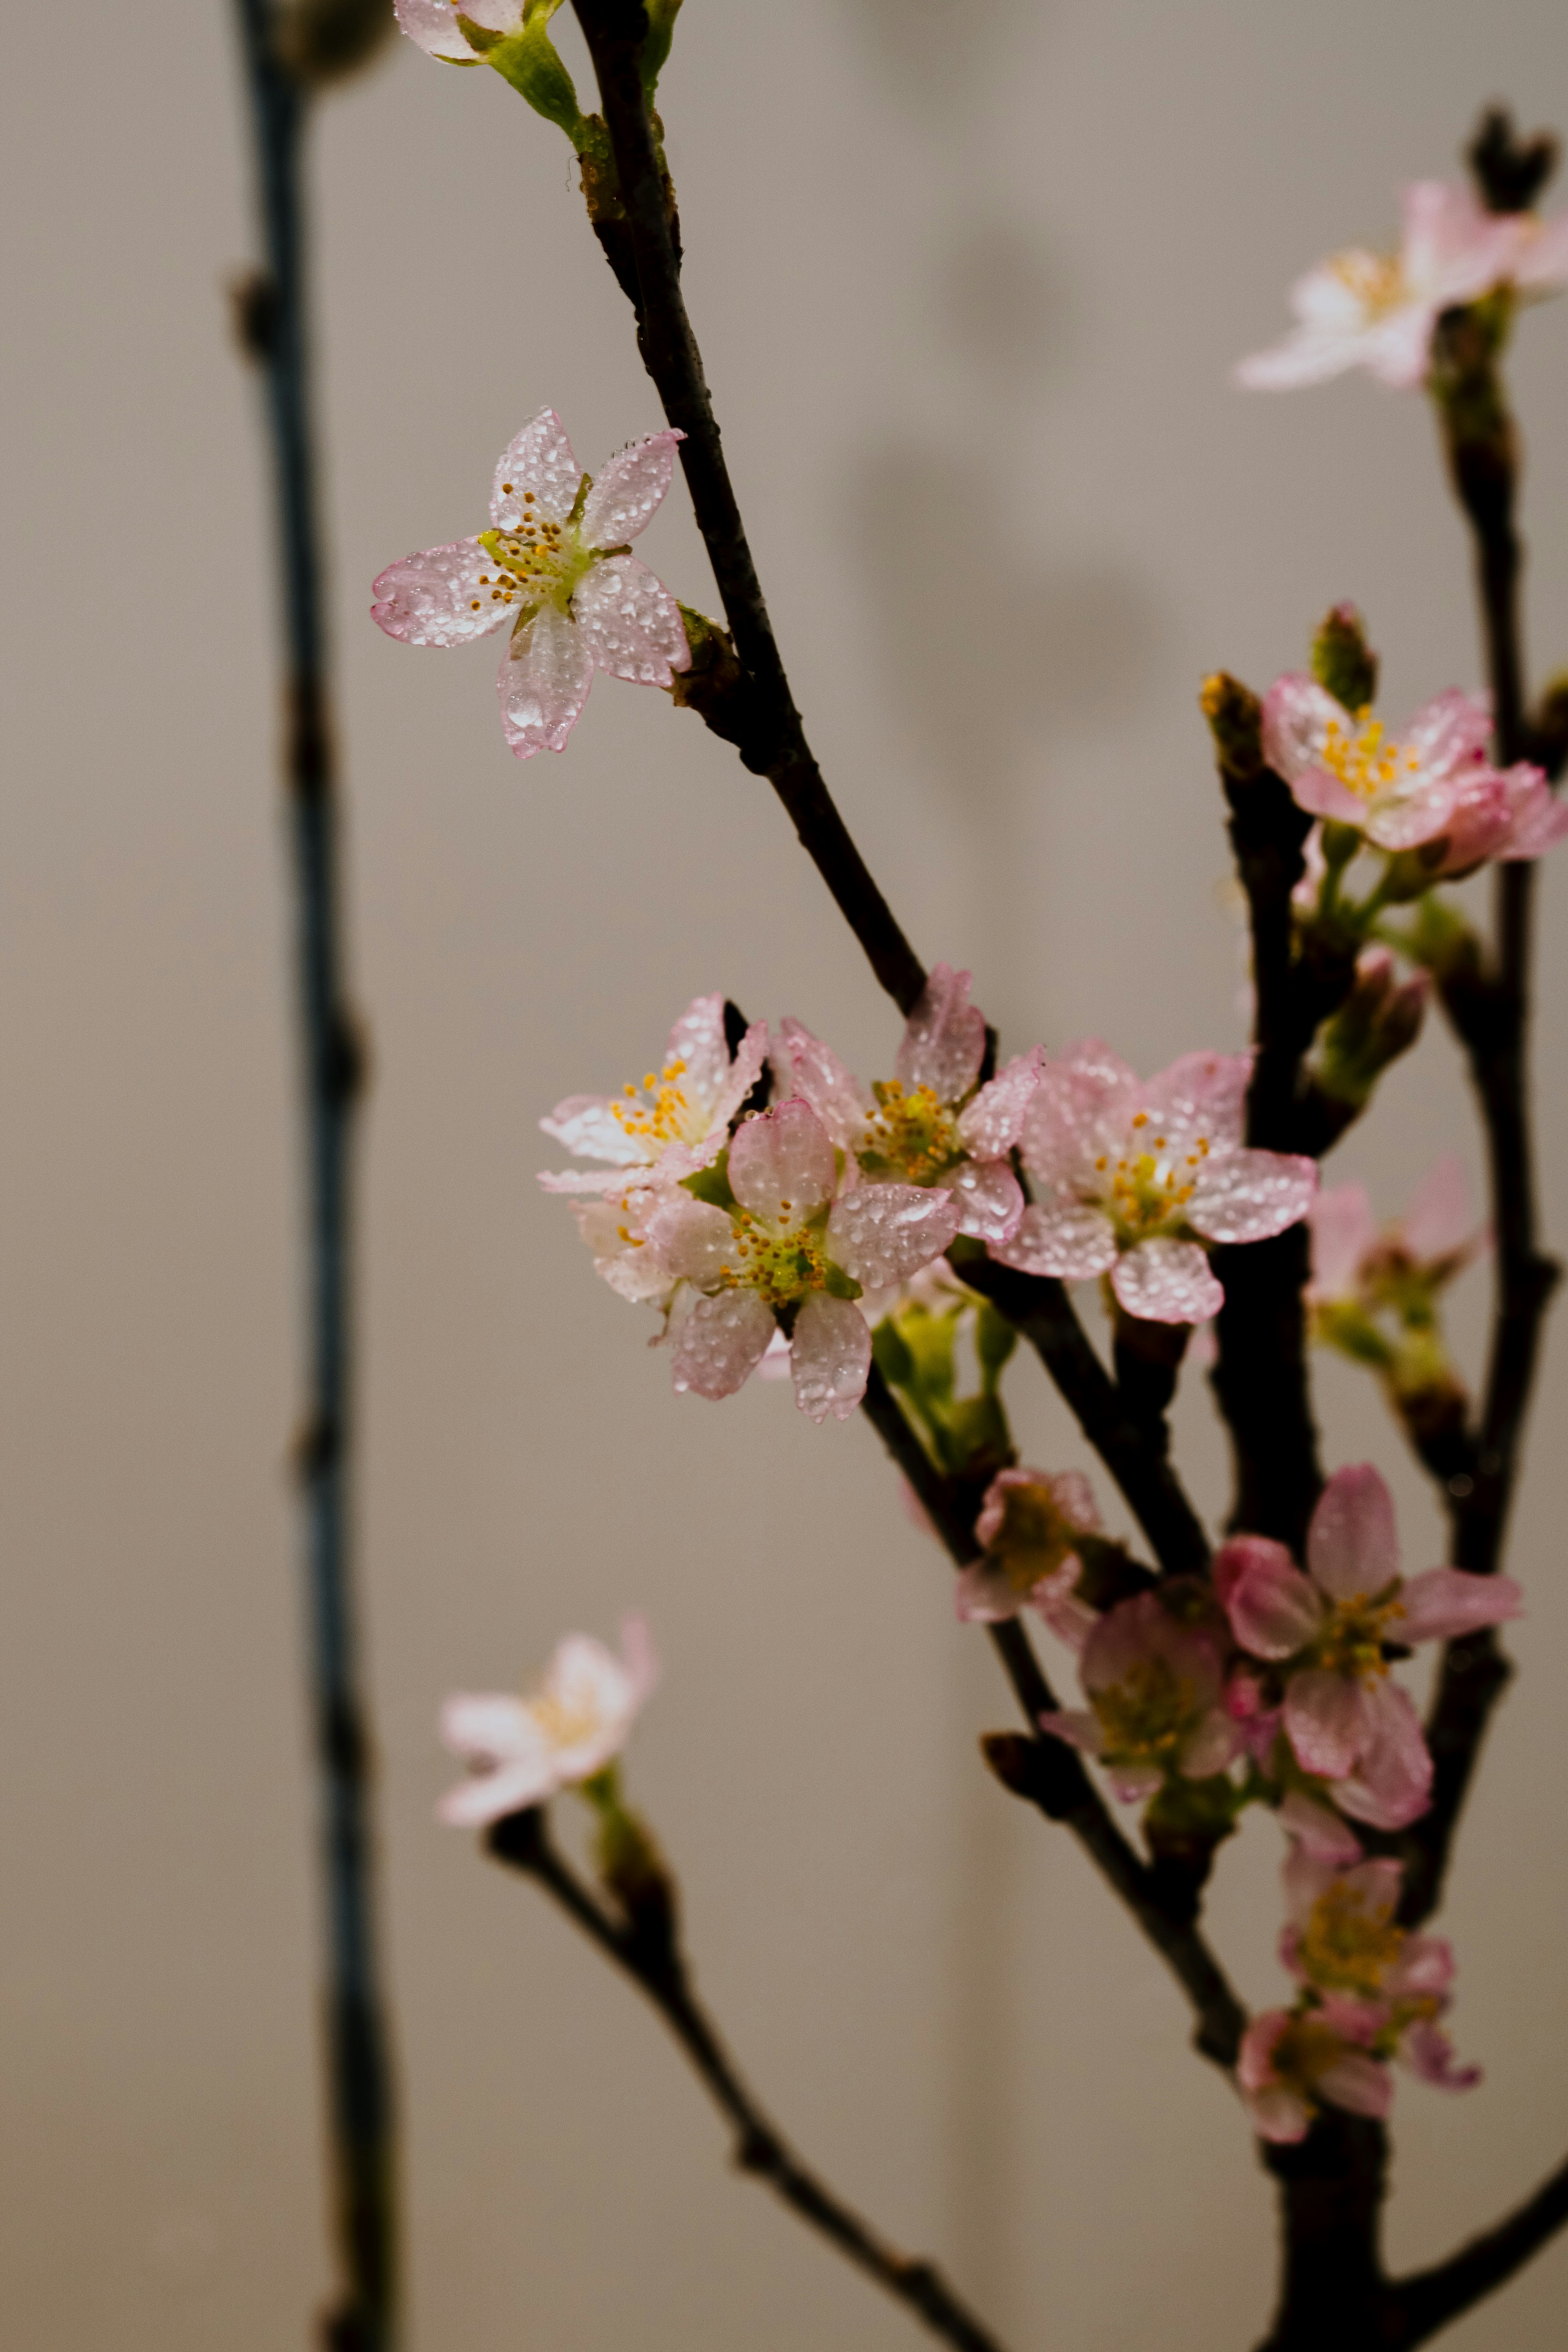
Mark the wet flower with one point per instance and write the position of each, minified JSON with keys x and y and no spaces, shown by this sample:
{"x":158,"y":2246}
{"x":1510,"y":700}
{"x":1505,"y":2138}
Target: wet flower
{"x":520,"y":1751}
{"x":1360,"y":1267}
{"x":1431,"y":787}
{"x":556,"y":570}
{"x":1031,"y":1526}
{"x":1139,"y":1176}
{"x":1378,"y":311}
{"x":927,"y":1124}
{"x":794,"y":1239}
{"x":1156,"y":1700}
{"x":672,"y":1124}
{"x":1346,"y":1721}
{"x":434,"y":24}
{"x":1292,"y":2061}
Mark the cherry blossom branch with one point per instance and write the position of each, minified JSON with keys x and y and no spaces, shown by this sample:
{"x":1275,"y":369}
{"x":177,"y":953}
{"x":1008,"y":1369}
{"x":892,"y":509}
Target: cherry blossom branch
{"x":1428,"y":2300}
{"x":1332,"y":2189}
{"x":646,"y":1950}
{"x":1050,"y":1775}
{"x":363,"y":2147}
{"x":761,"y":716}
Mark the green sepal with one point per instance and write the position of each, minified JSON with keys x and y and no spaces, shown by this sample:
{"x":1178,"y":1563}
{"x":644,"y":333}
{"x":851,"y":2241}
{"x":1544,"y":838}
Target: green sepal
{"x":839,"y":1285}
{"x":1342,"y":662}
{"x":530,"y":62}
{"x":890,"y":1354}
{"x":712,"y":1183}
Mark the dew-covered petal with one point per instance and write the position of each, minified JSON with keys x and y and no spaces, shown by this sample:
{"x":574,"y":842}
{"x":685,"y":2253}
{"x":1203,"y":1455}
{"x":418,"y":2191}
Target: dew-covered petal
{"x":436,"y":597}
{"x":1298,"y":714}
{"x":1409,"y":816}
{"x":1322,"y":793}
{"x":943,"y":1042}
{"x":1215,"y":1743}
{"x":820,"y":1078}
{"x":628,"y":489}
{"x":750,"y":1059}
{"x":992,"y":1124}
{"x":538,"y":459}
{"x":544,"y":683}
{"x":698,"y":1039}
{"x":1449,"y":735}
{"x":694,"y":1241}
{"x":830,"y":1354}
{"x":1356,"y":2081}
{"x":631,"y":622}
{"x":433,"y":25}
{"x":622,"y":1255}
{"x":990,"y":1199}
{"x":1060,"y":1237}
{"x":1325,"y":1722}
{"x":1247,"y":1196}
{"x":586,"y":1124}
{"x":1537,"y":818}
{"x":1074,"y":1094}
{"x":1201,"y":1094}
{"x":721,"y":1343}
{"x":1274,"y":1610}
{"x":1353,"y":1542}
{"x":885,"y":1233}
{"x":1343,"y":1230}
{"x":1442,"y":1604}
{"x":786,"y":1155}
{"x":1392,"y":1785}
{"x":1166,"y":1282}
{"x":1233,"y":1557}
{"x":1321,"y":1834}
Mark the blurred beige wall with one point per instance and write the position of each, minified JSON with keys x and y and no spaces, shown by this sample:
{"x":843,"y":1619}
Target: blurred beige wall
{"x":969,"y":282}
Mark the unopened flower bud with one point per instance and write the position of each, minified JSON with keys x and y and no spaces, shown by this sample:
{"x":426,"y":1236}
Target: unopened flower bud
{"x":323,"y":41}
{"x":1379,"y":1020}
{"x":1342,"y":661}
{"x":1509,"y":171}
{"x":1236,"y":721}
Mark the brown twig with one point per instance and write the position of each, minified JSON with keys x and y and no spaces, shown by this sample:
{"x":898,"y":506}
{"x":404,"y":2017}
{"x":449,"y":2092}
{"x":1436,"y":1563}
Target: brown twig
{"x":1428,"y":2300}
{"x":654,"y":1961}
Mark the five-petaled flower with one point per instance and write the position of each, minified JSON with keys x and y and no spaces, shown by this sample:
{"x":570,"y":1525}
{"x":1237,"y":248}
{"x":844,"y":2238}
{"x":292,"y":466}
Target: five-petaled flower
{"x":927,"y":1124}
{"x":792,"y":1239}
{"x":1138,"y":1176}
{"x":520,"y":1751}
{"x":556,"y":569}
{"x":1156,"y":1700}
{"x":1430,"y":787}
{"x":1031,"y":1526}
{"x":1354,"y":1261}
{"x":1347,"y":1722}
{"x":1378,"y":311}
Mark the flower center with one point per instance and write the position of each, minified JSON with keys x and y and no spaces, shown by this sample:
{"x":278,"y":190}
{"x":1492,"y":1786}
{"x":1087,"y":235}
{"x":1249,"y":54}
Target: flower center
{"x":1352,"y":1642}
{"x":1305,"y":2050}
{"x":1346,"y":1946}
{"x":1366,"y":761}
{"x":1376,"y":280}
{"x":1033,"y":1539}
{"x":909,"y":1132}
{"x":1148,"y":1713}
{"x":659,"y":1111}
{"x":535,"y":562}
{"x":779,"y":1262}
{"x":1146,"y":1192}
{"x":565,"y":1722}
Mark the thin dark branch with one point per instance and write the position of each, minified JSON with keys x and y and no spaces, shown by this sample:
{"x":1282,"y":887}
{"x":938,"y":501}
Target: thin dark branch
{"x":1430,"y":2299}
{"x":656,"y":1964}
{"x":768,"y":728}
{"x":273,"y":321}
{"x":1050,"y":1775}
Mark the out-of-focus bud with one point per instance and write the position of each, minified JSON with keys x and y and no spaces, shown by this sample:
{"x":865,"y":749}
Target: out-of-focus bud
{"x":1510,"y":172}
{"x":1379,"y":1020}
{"x":1442,"y":942}
{"x":325,"y":41}
{"x":632,"y":1868}
{"x":1236,"y":721}
{"x":1342,"y":661}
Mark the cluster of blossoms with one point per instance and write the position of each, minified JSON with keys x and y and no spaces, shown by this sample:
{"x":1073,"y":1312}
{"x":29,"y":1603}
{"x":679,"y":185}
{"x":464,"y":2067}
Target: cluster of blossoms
{"x":750,"y":1227}
{"x":1380,"y":310}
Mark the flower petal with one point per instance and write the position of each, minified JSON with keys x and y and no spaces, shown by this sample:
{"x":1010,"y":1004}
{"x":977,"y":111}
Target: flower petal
{"x":631,"y":623}
{"x":943,"y":1043}
{"x":1392,"y":1785}
{"x":830,"y":1352}
{"x":1449,"y":735}
{"x":1166,"y":1282}
{"x":721,"y":1343}
{"x":820,"y":1078}
{"x":694,"y":1241}
{"x":985,"y":1594}
{"x":1278,"y":2114}
{"x":544,"y":683}
{"x":1298,"y":714}
{"x":1215,"y":1743}
{"x":1343,"y":1230}
{"x":1441,"y":1603}
{"x":884,"y":1232}
{"x":1325,"y":1722}
{"x":1200,"y":1094}
{"x":1274,"y":1610}
{"x":1538,"y":820}
{"x":621,"y":1257}
{"x":698,"y":1039}
{"x":1428,"y":2052}
{"x":991,"y":1125}
{"x":1254,"y":2069}
{"x":488,"y":1797}
{"x":1248,"y":1196}
{"x":784,"y":1154}
{"x":1353,"y":1544}
{"x":1060,"y":1237}
{"x":436,"y":597}
{"x":990,"y":1199}
{"x":538,"y":459}
{"x":588,"y":1125}
{"x":1357,"y":2082}
{"x":490,"y":1727}
{"x":1074,"y":1094}
{"x":1321,"y":1834}
{"x":1078,"y":1726}
{"x":1233,"y":1558}
{"x":629,"y":490}
{"x":433,"y":24}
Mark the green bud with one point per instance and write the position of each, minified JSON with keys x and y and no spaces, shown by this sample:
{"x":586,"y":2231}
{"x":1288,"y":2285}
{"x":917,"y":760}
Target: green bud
{"x":631,"y":1864}
{"x":1342,"y":661}
{"x":1339,"y":843}
{"x":1442,"y":942}
{"x":1379,"y":1020}
{"x":1236,"y":721}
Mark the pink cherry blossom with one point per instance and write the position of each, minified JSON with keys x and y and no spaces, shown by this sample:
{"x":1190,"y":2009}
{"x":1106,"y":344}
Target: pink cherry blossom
{"x":676,"y":1122}
{"x":434,"y":24}
{"x":1138,"y":1176}
{"x":520,"y":1751}
{"x":1029,"y":1526}
{"x":796,"y":1239}
{"x":1346,"y":1721}
{"x":1156,"y":1700}
{"x":927,"y":1124}
{"x":1433,"y":1239}
{"x":1378,"y":312}
{"x":556,"y":570}
{"x":1292,"y":2061}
